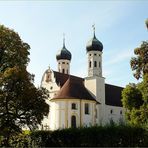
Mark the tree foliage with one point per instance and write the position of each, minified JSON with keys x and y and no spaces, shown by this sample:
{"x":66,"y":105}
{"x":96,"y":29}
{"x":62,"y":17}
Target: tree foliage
{"x":132,"y":97}
{"x":98,"y":136}
{"x":135,"y":97}
{"x":21,"y":103}
{"x":139,"y":64}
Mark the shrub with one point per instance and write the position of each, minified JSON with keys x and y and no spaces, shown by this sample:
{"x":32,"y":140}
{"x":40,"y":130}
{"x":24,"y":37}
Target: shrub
{"x":97,"y":136}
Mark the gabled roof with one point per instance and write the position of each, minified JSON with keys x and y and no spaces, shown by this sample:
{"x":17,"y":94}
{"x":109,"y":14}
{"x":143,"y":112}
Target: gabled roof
{"x":74,"y":89}
{"x":61,"y":78}
{"x":113,"y":95}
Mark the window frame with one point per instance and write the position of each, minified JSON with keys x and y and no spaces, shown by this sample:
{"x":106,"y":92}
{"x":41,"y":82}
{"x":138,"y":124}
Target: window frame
{"x":87,"y":108}
{"x":73,"y":106}
{"x":90,"y":63}
{"x":111,"y":111}
{"x":95,"y":63}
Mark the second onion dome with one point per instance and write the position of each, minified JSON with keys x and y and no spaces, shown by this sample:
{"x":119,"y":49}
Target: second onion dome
{"x":63,"y":54}
{"x":94,"y":44}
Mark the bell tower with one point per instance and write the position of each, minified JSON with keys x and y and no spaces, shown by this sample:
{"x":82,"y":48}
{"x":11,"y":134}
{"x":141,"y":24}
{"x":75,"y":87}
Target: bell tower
{"x":94,"y":53}
{"x":63,"y":58}
{"x":95,"y":82}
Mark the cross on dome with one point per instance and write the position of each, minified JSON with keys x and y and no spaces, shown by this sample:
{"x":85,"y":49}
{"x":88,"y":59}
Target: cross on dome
{"x":93,"y":26}
{"x":63,"y":39}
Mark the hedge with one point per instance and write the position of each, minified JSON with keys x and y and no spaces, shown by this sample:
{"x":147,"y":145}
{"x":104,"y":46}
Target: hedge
{"x":99,"y":136}
{"x":108,"y":136}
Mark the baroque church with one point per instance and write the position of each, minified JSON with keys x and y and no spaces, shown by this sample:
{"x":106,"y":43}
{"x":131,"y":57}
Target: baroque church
{"x":75,"y":101}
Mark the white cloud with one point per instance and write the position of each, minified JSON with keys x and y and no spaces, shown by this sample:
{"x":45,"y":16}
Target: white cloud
{"x":119,"y":57}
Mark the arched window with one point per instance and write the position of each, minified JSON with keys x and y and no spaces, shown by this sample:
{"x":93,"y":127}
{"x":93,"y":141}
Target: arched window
{"x":63,"y":70}
{"x":73,"y":121}
{"x":120,"y":112}
{"x":87,"y":108}
{"x":96,"y":113}
{"x":99,"y":64}
{"x":111,"y":111}
{"x":95,"y":63}
{"x":90,"y":64}
{"x":67,"y":71}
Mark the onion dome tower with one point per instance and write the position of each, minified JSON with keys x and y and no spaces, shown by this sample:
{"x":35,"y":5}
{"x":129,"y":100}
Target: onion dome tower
{"x":63,"y":58}
{"x":94,"y":50}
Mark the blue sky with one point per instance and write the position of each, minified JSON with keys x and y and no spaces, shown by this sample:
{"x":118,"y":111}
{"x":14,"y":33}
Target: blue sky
{"x":119,"y":26}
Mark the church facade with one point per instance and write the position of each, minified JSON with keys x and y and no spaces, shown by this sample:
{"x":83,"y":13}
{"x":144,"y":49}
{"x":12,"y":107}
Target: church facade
{"x":76,"y":101}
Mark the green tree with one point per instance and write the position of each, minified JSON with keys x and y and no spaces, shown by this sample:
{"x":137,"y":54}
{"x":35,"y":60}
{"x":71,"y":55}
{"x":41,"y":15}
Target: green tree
{"x":132,"y":97}
{"x":135,"y":97}
{"x":132,"y":100}
{"x":21,"y":103}
{"x":139,"y":64}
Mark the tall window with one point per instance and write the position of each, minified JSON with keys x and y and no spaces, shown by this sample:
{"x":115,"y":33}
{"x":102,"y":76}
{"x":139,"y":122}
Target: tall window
{"x":90,"y":64}
{"x":111,"y":111}
{"x":63,"y":70}
{"x":73,"y":121}
{"x":73,"y":106}
{"x":95,"y":63}
{"x":120,"y":112}
{"x":99,"y":64}
{"x":96,"y":113}
{"x":86,"y":108}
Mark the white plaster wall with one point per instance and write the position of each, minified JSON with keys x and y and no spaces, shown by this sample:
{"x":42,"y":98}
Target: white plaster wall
{"x":61,"y":113}
{"x":73,"y":112}
{"x":46,"y":120}
{"x":94,"y":56}
{"x":53,"y":116}
{"x":96,"y":86}
{"x":87,"y":119}
{"x":64,"y":64}
{"x":51,"y":86}
{"x":115,"y":116}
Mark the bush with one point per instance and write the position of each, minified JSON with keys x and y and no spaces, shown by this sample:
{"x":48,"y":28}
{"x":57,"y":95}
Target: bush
{"x":97,"y":136}
{"x":107,"y":136}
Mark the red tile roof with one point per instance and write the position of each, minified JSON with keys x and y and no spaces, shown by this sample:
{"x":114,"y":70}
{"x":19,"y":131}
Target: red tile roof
{"x":61,"y":78}
{"x":74,"y":89}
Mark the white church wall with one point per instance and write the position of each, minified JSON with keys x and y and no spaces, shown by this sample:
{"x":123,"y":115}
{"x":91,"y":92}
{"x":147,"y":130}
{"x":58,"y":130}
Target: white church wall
{"x":64,"y":66}
{"x":90,"y":84}
{"x":94,"y":56}
{"x":114,"y":113}
{"x":88,"y":119}
{"x":61,"y":112}
{"x":51,"y":86}
{"x":96,"y":86}
{"x":75,"y":112}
